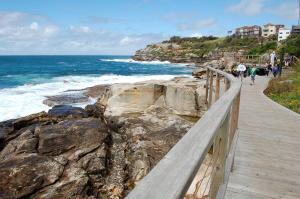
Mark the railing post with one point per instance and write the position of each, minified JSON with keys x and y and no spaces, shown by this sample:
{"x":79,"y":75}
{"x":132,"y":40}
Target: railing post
{"x":211,"y":78}
{"x":219,"y":157}
{"x":217,"y":87}
{"x":207,"y":85}
{"x":234,"y":117}
{"x":227,"y":84}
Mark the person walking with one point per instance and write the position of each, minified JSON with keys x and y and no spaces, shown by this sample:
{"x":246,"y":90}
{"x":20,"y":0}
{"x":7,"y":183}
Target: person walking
{"x":279,"y":66}
{"x":253,"y":71}
{"x":241,"y":68}
{"x":275,"y":70}
{"x":267,"y":69}
{"x":273,"y":58}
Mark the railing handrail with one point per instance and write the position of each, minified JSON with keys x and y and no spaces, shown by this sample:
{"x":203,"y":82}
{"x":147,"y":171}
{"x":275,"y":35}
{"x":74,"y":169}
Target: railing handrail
{"x":172,"y":176}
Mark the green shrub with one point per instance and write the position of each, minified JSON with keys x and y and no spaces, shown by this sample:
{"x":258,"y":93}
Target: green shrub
{"x":286,"y":90}
{"x":261,"y":49}
{"x":292,"y":45}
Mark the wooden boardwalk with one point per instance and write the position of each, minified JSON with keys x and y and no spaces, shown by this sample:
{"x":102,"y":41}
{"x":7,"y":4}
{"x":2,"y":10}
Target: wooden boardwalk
{"x":267,"y":161}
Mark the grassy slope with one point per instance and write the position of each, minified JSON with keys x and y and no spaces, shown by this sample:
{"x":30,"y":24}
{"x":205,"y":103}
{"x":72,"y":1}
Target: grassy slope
{"x":286,"y":90}
{"x":201,"y":46}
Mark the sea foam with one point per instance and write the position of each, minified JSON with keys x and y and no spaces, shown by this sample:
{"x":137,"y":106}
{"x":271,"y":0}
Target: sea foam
{"x":27,"y":99}
{"x":156,"y":62}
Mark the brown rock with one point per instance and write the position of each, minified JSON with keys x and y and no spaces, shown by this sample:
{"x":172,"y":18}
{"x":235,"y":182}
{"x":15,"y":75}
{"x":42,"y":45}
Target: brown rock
{"x":24,"y":174}
{"x":71,"y":135}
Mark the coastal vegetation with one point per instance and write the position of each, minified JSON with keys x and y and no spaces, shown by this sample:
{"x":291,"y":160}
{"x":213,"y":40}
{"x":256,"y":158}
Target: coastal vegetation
{"x":196,"y":49}
{"x":286,"y":89}
{"x":291,"y":45}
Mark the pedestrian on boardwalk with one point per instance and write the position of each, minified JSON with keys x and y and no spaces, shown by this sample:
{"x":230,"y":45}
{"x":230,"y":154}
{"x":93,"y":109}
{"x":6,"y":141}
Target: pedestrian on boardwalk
{"x":273,"y":58}
{"x":275,"y":70}
{"x":279,"y":66}
{"x":241,"y":68}
{"x":267,"y":68}
{"x":287,"y":60}
{"x":253,"y":71}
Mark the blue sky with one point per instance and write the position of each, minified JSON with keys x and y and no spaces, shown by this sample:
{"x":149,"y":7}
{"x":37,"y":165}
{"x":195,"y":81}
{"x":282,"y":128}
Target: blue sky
{"x":121,"y":27}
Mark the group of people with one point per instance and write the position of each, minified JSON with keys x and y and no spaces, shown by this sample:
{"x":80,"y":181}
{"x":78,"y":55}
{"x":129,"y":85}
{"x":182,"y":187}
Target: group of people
{"x":242,"y":71}
{"x":273,"y":66}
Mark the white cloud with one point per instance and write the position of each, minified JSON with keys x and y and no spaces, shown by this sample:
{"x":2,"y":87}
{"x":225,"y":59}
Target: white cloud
{"x":103,"y":20}
{"x":196,"y":34}
{"x":8,"y":18}
{"x":287,"y":10}
{"x":196,"y":25}
{"x":34,"y":26}
{"x":129,"y":40}
{"x":80,"y":29}
{"x":176,"y":17}
{"x":50,"y":30}
{"x":26,"y":34}
{"x":85,"y":29}
{"x":247,"y":7}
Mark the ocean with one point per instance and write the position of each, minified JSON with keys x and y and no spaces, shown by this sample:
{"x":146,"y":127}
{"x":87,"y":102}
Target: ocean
{"x":25,"y":81}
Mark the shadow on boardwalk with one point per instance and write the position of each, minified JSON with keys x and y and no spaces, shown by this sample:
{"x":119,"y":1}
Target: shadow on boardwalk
{"x":267,"y":161}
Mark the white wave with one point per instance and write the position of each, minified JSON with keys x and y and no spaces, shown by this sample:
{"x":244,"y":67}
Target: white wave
{"x":142,"y":62}
{"x":28,"y":99}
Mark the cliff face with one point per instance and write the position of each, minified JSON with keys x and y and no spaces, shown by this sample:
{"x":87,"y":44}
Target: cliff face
{"x":101,"y":151}
{"x":181,"y":50}
{"x":204,"y":49}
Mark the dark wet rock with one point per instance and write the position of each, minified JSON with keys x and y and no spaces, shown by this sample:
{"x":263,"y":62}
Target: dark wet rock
{"x":28,"y":120}
{"x":72,"y":136}
{"x":67,"y":111}
{"x":13,"y":128}
{"x":94,"y":111}
{"x":66,"y":99}
{"x":96,"y":91}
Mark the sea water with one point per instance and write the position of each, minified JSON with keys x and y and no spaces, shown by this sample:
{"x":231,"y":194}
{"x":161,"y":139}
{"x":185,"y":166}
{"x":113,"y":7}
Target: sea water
{"x":25,"y":81}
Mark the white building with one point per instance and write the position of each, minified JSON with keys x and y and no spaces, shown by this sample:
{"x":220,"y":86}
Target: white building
{"x":270,"y":29}
{"x":283,"y":34}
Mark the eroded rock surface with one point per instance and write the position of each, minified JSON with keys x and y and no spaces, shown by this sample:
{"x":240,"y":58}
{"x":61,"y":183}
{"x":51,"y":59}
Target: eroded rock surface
{"x":101,"y":151}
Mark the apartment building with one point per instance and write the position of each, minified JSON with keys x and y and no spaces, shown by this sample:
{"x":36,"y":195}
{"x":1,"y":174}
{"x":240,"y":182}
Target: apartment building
{"x":270,"y":29}
{"x":296,"y":30}
{"x":248,"y":31}
{"x":283,"y":34}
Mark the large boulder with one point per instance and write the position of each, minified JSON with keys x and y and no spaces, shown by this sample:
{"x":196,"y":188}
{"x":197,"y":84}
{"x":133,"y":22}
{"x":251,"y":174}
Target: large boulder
{"x":46,"y":158}
{"x":179,"y":95}
{"x":22,"y":175}
{"x":199,"y":72}
{"x":132,"y":98}
{"x":101,"y":151}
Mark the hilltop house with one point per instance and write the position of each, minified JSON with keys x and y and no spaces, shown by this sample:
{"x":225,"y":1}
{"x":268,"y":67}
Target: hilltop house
{"x":248,"y":31}
{"x":270,"y":29}
{"x":283,"y":34}
{"x":296,"y":30}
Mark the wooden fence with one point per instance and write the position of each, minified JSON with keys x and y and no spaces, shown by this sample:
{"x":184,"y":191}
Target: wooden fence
{"x":213,"y":139}
{"x":257,"y":59}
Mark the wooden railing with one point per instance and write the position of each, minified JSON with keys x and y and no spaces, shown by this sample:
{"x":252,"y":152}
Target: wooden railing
{"x":257,"y":59}
{"x":213,"y":139}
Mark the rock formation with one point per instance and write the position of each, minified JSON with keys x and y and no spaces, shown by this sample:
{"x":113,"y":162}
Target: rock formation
{"x":101,"y":151}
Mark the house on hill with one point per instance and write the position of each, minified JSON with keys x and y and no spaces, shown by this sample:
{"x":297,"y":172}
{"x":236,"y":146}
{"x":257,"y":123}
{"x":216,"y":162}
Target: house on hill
{"x":248,"y":31}
{"x":271,"y":29}
{"x":296,"y":30}
{"x":283,"y":34}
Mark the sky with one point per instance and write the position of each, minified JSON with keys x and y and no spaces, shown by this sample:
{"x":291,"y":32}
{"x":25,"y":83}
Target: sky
{"x":120,"y":27}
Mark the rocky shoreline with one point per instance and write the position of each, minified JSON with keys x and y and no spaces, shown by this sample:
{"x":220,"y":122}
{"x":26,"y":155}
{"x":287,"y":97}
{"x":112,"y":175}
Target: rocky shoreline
{"x":175,"y":53}
{"x":101,"y":151}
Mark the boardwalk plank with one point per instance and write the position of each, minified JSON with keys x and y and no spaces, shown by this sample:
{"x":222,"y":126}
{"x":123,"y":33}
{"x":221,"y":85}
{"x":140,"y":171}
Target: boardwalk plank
{"x":267,"y":160}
